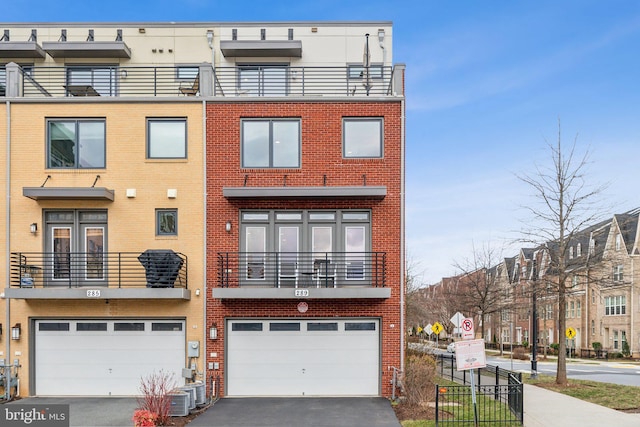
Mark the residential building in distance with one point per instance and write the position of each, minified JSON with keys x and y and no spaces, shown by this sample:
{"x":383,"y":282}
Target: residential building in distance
{"x":220,"y":201}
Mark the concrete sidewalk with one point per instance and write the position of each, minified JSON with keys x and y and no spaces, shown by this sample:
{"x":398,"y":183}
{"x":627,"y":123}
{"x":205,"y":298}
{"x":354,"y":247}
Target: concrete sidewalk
{"x":546,"y":408}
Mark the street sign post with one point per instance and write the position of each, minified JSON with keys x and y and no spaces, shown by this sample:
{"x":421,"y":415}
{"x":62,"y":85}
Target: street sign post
{"x":437,"y":328}
{"x":571,"y":334}
{"x":471,"y":354}
{"x":457,"y":322}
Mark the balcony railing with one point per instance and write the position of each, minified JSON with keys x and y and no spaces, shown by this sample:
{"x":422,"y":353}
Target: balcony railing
{"x":301,"y":269}
{"x":151,"y":269}
{"x":170,"y":81}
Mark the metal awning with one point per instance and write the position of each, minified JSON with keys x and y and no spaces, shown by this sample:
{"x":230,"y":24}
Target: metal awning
{"x":88,"y":49}
{"x":262,"y":48}
{"x":376,"y":192}
{"x":21,"y":50}
{"x":68,"y":193}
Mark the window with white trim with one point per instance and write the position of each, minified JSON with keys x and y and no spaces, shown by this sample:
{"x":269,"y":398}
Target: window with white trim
{"x":618,"y":273}
{"x":615,"y":305}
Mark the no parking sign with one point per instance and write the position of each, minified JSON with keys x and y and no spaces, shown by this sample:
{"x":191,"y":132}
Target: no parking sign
{"x":467,"y":329}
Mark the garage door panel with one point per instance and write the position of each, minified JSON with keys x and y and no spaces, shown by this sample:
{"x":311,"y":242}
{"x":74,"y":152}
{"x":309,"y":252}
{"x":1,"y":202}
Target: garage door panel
{"x":102,"y":363}
{"x":305,"y":362}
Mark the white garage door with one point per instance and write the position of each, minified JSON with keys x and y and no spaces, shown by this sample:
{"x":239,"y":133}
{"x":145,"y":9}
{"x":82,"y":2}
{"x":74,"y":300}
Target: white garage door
{"x":105,"y":357}
{"x":303,"y":357}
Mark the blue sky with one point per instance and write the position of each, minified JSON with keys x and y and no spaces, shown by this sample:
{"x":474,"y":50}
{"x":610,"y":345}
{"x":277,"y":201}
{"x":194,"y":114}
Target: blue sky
{"x":486,"y":85}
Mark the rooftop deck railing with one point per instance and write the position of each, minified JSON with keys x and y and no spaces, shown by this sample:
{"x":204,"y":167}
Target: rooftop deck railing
{"x":202,"y":81}
{"x":151,"y":269}
{"x":301,"y":269}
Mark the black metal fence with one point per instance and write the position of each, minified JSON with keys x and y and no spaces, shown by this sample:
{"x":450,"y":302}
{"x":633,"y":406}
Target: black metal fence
{"x":499,"y":392}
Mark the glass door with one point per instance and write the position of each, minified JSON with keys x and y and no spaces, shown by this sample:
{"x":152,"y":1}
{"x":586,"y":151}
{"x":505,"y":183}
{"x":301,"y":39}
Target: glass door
{"x":288,"y":248}
{"x":75,"y":248}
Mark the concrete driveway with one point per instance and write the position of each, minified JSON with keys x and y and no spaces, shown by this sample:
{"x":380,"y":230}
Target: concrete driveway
{"x":299,"y":412}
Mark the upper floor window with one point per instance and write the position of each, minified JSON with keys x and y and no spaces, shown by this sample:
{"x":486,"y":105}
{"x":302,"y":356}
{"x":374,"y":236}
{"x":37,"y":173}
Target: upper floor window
{"x":618,"y":241}
{"x":362,"y":137}
{"x":358,"y":71}
{"x":617,"y":273}
{"x":571,"y":252}
{"x":271,"y":143}
{"x":262,"y":80}
{"x":167,"y":138}
{"x":575,"y":281}
{"x":91,"y":80}
{"x":579,"y":250}
{"x":76,"y":143}
{"x":187,"y":72}
{"x":166,"y":222}
{"x":615,"y":305}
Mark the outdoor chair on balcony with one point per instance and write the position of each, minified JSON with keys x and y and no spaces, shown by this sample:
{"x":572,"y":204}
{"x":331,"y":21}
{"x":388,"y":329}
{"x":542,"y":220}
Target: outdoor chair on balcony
{"x":191,"y":89}
{"x":288,"y":275}
{"x":326,"y":273}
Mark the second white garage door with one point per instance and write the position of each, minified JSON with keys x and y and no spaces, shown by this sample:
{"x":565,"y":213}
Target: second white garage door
{"x":303,"y":357}
{"x":105,"y":357}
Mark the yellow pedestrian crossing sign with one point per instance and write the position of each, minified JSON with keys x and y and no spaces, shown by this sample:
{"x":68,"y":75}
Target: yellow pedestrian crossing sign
{"x":570,"y":333}
{"x":437,"y":328}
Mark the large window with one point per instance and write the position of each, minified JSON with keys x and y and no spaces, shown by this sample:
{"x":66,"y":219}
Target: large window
{"x":76,"y":143}
{"x":167,"y":138}
{"x":270,"y":143}
{"x":615,"y":305}
{"x":91,"y":80}
{"x":362,"y":137}
{"x":262,"y":80}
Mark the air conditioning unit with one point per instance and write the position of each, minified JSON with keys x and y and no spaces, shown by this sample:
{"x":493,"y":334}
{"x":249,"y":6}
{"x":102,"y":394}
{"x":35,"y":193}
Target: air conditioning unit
{"x":201,"y":392}
{"x":191,"y":391}
{"x":179,"y":404}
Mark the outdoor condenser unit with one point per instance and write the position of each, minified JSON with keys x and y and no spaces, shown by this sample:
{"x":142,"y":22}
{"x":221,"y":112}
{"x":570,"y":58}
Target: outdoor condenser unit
{"x":179,"y":404}
{"x":201,"y":392}
{"x":191,"y":392}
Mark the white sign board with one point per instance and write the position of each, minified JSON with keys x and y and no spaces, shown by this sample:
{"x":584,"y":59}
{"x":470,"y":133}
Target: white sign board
{"x":427,"y":329}
{"x":470,"y":355}
{"x":467,"y":329}
{"x":457,"y":319}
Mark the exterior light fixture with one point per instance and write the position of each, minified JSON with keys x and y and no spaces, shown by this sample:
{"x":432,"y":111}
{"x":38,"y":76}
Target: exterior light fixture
{"x":15,"y":332}
{"x":381,"y":35}
{"x":227,"y":226}
{"x":213,"y":332}
{"x":33,"y":228}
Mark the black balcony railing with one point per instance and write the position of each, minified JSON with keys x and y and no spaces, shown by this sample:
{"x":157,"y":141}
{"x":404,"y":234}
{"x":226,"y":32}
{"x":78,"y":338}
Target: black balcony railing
{"x":167,"y":81}
{"x":151,"y":268}
{"x":301,"y":269}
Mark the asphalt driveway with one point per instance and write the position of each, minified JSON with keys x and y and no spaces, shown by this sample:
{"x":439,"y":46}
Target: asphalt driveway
{"x":238,"y":412}
{"x":299,"y":412}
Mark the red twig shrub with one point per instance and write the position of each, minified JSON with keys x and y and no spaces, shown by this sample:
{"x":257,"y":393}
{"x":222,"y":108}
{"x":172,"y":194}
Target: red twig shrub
{"x":144,"y":418}
{"x":156,"y":399}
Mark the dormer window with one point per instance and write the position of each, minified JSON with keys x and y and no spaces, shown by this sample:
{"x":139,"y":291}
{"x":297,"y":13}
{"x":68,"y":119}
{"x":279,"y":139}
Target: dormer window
{"x":618,"y":241}
{"x":579,"y":250}
{"x":571,"y":252}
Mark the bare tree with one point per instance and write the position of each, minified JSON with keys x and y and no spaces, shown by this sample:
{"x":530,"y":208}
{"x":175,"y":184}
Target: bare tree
{"x":566,"y":203}
{"x":416,"y":307}
{"x":482,"y":290}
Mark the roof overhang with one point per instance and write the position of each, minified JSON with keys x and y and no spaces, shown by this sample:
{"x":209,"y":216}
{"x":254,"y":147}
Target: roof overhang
{"x":114,"y":49}
{"x":261,"y":48}
{"x":21,"y":50}
{"x":69,"y":193}
{"x":376,"y":192}
{"x":104,"y":294}
{"x":354,"y":292}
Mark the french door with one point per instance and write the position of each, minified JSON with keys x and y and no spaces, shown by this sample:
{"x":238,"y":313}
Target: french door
{"x":75,"y":246}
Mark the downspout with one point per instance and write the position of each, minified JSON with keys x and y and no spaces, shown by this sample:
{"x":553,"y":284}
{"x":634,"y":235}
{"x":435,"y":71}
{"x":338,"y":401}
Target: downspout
{"x":205,"y":288}
{"x":402,"y":227}
{"x":7,"y":380}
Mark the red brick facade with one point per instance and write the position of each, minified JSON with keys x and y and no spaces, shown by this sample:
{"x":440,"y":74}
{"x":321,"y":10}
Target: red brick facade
{"x":321,"y":161}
